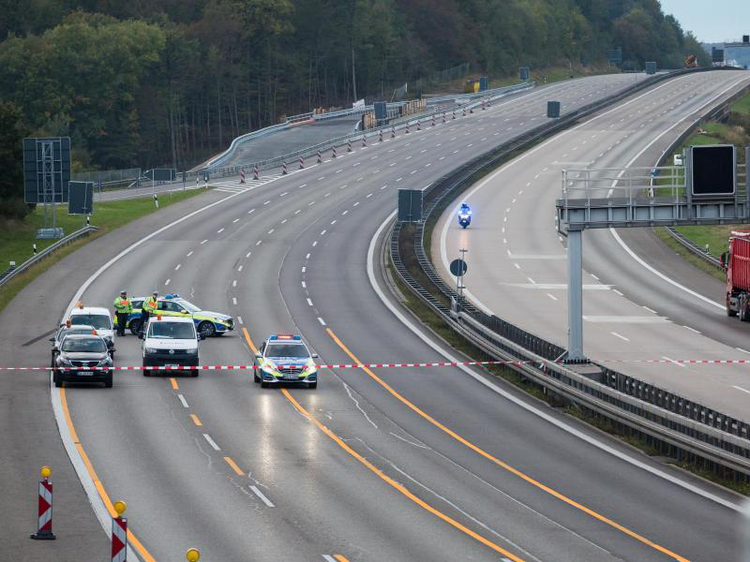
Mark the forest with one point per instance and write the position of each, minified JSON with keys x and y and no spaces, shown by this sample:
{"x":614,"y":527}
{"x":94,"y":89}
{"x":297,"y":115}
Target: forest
{"x":171,"y":82}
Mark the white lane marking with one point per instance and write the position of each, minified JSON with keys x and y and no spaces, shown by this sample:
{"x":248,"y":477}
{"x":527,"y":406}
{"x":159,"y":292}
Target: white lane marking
{"x":307,"y":257}
{"x":515,"y":264}
{"x":692,"y":329}
{"x":251,"y":211}
{"x":182,"y":399}
{"x":322,"y":232}
{"x":258,"y":242}
{"x":177,"y":267}
{"x":618,"y":292}
{"x":326,"y":195}
{"x":303,"y":185}
{"x":553,"y":297}
{"x":204,"y":242}
{"x":650,"y":309}
{"x":638,"y":259}
{"x":234,"y":283}
{"x":672,"y":361}
{"x":315,"y":243}
{"x":239,"y":268}
{"x":304,"y":269}
{"x":264,"y":499}
{"x":594,"y":276}
{"x":333,"y":222}
{"x":220,"y":231}
{"x":234,"y":300}
{"x":270,"y":231}
{"x":342,"y":214}
{"x":267,"y":202}
{"x":619,"y":336}
{"x":248,"y":254}
{"x":236,"y":220}
{"x":239,"y":319}
{"x":190,"y":253}
{"x":311,"y":203}
{"x":322,"y":322}
{"x":553,"y":420}
{"x":284,"y":221}
{"x":211,"y":442}
{"x":282,"y":194}
{"x":328,"y":558}
{"x":357,"y":203}
{"x":742,"y":350}
{"x":399,"y":179}
{"x":391,"y":165}
{"x":309,"y":302}
{"x":304,"y":285}
{"x":368,"y":195}
{"x":298,"y":211}
{"x":740,"y":388}
{"x":167,"y":282}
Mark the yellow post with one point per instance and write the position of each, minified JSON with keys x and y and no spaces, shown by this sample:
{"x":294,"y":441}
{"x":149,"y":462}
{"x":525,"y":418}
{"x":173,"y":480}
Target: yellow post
{"x":193,"y":555}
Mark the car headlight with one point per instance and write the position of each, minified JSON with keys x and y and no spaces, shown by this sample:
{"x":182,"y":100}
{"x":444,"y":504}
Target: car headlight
{"x":151,"y":350}
{"x":192,"y":351}
{"x":106,"y":362}
{"x":62,"y":360}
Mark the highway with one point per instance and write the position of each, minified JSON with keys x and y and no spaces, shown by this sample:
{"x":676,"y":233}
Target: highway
{"x":641,"y":301}
{"x":387,"y":464}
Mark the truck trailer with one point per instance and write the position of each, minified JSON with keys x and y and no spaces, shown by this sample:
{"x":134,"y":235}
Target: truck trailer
{"x":736,"y":263}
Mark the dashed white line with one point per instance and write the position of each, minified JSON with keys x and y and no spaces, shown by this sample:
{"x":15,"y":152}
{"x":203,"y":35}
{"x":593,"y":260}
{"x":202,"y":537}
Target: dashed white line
{"x":190,"y":253}
{"x":239,"y":268}
{"x":298,"y":211}
{"x":251,"y":211}
{"x":234,"y":300}
{"x":304,"y":269}
{"x":282,"y":222}
{"x":236,"y":220}
{"x":322,"y":322}
{"x":309,"y":302}
{"x":177,"y":267}
{"x":262,"y":497}
{"x":303,"y":185}
{"x":368,"y":195}
{"x":619,"y":336}
{"x":357,"y":203}
{"x":740,"y":388}
{"x":270,"y":231}
{"x":672,"y":361}
{"x":234,"y":283}
{"x":204,"y":242}
{"x":304,"y":285}
{"x":553,"y":297}
{"x":248,"y":254}
{"x":167,"y":282}
{"x":315,"y":243}
{"x":333,"y":222}
{"x":692,"y":329}
{"x":182,"y":399}
{"x":220,"y":231}
{"x":258,"y":242}
{"x":267,"y":202}
{"x":307,"y":257}
{"x":742,"y":350}
{"x":399,"y":179}
{"x":239,"y":319}
{"x":211,"y":442}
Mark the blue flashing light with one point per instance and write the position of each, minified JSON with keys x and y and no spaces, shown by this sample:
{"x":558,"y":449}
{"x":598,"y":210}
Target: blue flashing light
{"x":172,"y":296}
{"x":275,"y":337}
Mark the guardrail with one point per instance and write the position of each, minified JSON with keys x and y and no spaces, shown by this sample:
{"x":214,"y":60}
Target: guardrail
{"x":276,"y":161}
{"x":679,"y":426}
{"x":85,"y":231}
{"x":694,"y":248}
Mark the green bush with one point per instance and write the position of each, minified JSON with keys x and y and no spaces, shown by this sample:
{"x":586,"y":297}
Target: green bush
{"x":14,"y":208}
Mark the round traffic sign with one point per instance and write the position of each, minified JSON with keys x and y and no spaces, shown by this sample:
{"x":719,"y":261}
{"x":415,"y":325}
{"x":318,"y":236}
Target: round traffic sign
{"x":458,"y":267}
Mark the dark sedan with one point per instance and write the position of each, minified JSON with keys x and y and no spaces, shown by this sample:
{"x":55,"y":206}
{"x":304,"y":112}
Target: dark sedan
{"x":81,"y":359}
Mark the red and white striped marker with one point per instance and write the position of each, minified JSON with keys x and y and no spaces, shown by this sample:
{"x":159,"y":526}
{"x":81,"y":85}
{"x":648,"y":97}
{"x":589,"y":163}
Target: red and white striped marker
{"x":443,"y":117}
{"x":419,"y":125}
{"x":380,"y":136}
{"x":364,"y":141}
{"x":120,"y":534}
{"x":320,"y":157}
{"x":464,"y":114}
{"x":454,"y":113}
{"x":393,"y":132}
{"x":407,"y":127}
{"x":256,"y":173}
{"x":349,"y":145}
{"x":283,"y":168}
{"x":433,"y":119}
{"x":44,"y":512}
{"x":242,"y":176}
{"x":301,"y":162}
{"x":333,"y":152}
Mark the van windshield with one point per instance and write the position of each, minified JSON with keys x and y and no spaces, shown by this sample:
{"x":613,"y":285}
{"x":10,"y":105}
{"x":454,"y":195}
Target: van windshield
{"x":172,"y":330}
{"x":98,"y":321}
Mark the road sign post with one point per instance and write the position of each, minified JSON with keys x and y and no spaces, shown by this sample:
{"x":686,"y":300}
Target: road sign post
{"x":459,"y":268}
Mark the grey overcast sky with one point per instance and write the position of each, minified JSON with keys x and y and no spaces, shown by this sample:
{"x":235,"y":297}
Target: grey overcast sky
{"x":711,"y":21}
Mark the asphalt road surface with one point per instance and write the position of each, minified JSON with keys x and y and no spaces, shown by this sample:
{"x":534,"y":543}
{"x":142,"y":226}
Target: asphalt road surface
{"x":633,"y":310}
{"x":388,"y":464}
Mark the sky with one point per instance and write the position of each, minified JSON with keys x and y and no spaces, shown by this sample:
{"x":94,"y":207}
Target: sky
{"x":711,"y":21}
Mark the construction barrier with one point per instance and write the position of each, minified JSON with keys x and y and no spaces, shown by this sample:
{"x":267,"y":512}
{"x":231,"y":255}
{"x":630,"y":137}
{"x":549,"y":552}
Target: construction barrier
{"x":393,"y":132}
{"x":454,"y":114}
{"x":256,"y":173}
{"x":333,"y":152}
{"x":419,"y":125}
{"x":44,"y":510}
{"x":349,"y":145}
{"x":242,"y":176}
{"x":283,"y":168}
{"x":301,"y":162}
{"x":407,"y":127}
{"x":119,"y":534}
{"x":364,"y":141}
{"x":380,"y":136}
{"x":320,"y":157}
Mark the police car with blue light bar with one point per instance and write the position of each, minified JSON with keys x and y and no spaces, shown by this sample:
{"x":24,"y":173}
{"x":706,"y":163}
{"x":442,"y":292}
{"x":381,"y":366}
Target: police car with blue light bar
{"x":284,"y":358}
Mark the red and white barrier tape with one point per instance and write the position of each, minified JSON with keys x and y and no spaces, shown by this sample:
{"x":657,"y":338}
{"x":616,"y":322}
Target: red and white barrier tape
{"x":372,"y":365}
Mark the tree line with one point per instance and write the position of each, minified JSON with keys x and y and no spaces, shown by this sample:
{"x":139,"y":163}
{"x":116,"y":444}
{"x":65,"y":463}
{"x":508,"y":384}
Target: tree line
{"x":170,"y":82}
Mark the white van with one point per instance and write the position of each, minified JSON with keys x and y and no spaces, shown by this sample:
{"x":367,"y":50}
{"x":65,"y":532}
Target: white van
{"x":170,"y":341}
{"x":99,"y":318}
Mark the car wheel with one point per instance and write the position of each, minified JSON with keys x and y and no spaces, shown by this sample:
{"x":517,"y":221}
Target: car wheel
{"x":57,"y":378}
{"x":108,"y":382}
{"x":207,"y":329}
{"x":312,"y":384}
{"x":256,"y":378}
{"x":135,"y":326}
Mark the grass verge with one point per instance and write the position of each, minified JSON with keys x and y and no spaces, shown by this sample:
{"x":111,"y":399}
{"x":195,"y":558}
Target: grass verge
{"x":683,"y":252}
{"x":17,"y":237}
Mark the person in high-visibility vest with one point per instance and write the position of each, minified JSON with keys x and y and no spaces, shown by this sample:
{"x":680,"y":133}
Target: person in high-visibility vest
{"x":123,"y":308}
{"x":148,"y":308}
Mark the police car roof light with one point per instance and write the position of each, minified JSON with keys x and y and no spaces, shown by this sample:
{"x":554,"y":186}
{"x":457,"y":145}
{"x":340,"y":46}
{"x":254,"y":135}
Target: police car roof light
{"x":284,"y":337}
{"x":172,"y":296}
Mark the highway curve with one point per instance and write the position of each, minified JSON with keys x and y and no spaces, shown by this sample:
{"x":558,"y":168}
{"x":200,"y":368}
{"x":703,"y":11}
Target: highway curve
{"x":519,"y":268}
{"x":386,"y":464}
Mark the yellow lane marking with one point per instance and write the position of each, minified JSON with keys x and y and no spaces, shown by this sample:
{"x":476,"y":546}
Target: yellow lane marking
{"x":196,"y":421}
{"x":505,"y":465}
{"x":234,"y":466}
{"x":249,"y":340}
{"x":173,"y":381}
{"x":400,"y":487}
{"x":132,"y":539}
{"x":340,"y":558}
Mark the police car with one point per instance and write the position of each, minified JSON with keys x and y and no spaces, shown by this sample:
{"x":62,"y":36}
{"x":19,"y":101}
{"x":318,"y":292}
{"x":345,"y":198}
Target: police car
{"x":285,"y":358}
{"x":207,"y":323}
